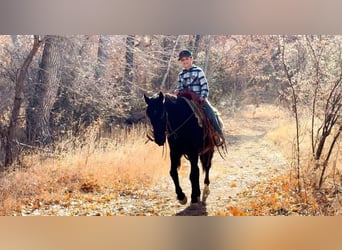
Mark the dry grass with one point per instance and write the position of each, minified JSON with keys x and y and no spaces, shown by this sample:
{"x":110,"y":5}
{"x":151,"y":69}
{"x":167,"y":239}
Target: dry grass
{"x":283,"y":136}
{"x":327,"y":200}
{"x":83,"y":165}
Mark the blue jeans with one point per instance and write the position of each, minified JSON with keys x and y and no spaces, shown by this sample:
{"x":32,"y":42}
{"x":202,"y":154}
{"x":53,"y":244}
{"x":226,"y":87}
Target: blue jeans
{"x":208,"y":109}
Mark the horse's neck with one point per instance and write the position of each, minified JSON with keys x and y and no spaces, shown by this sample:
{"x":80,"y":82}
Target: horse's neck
{"x":170,"y":102}
{"x":170,"y":97}
{"x":177,"y":110}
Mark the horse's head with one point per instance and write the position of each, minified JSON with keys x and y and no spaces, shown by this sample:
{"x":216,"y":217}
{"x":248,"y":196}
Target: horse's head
{"x":157,"y":115}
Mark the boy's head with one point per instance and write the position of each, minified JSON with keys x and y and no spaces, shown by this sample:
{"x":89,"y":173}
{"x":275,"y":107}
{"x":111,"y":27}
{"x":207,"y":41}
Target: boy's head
{"x":184,"y":53}
{"x":185,"y":57}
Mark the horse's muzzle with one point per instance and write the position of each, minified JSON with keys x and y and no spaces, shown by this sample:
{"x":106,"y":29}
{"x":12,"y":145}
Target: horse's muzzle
{"x":160,"y":141}
{"x":159,"y":138}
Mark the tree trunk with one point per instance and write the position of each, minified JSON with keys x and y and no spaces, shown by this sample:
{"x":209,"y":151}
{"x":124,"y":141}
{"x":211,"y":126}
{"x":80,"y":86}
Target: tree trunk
{"x":61,"y":113}
{"x":325,"y":164}
{"x":102,"y":57}
{"x":163,"y":84}
{"x":18,"y":96}
{"x":41,"y":102}
{"x":14,"y":39}
{"x":317,"y":67}
{"x":295,"y":112}
{"x":129,"y":63}
{"x":196,"y":47}
{"x":207,"y":54}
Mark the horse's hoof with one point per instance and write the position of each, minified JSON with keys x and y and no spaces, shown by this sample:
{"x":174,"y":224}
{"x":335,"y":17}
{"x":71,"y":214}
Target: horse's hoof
{"x":184,"y":201}
{"x":196,"y":202}
{"x":206,"y":193}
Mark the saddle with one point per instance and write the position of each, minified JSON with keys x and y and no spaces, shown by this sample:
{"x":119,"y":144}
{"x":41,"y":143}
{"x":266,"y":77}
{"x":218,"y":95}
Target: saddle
{"x":193,"y":101}
{"x":203,"y":120}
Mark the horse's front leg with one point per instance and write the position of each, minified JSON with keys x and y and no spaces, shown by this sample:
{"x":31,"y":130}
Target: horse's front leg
{"x":194,"y":178}
{"x":175,"y":163}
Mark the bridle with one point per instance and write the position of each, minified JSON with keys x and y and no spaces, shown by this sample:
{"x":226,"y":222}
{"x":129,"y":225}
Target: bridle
{"x":208,"y":141}
{"x":173,"y":132}
{"x":168,"y":129}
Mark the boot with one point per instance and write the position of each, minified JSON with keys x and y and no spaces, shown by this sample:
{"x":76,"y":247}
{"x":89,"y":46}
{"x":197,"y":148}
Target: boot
{"x":219,"y":140}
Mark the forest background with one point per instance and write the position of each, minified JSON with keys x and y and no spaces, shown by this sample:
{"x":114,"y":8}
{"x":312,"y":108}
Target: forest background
{"x":56,"y":88}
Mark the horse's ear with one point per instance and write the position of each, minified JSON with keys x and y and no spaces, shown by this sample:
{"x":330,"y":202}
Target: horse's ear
{"x":161,"y":96}
{"x":147,"y":100}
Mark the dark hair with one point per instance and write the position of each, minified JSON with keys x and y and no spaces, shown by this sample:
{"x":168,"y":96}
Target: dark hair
{"x":184,"y":53}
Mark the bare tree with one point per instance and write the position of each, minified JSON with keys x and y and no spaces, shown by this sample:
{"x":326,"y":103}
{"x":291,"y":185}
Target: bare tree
{"x":44,"y":93}
{"x":14,"y":39}
{"x":313,"y":69}
{"x":18,"y":99}
{"x":289,"y":75}
{"x":102,"y":57}
{"x":332,"y":119}
{"x":316,"y":58}
{"x":163,"y":83}
{"x":129,"y":62}
{"x":207,"y":53}
{"x":196,"y":48}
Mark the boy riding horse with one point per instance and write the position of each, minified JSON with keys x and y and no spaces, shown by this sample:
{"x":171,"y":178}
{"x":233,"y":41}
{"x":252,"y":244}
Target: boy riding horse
{"x":192,"y":78}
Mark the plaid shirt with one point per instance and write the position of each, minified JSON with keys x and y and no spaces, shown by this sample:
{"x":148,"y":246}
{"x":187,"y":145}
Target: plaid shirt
{"x":193,"y":79}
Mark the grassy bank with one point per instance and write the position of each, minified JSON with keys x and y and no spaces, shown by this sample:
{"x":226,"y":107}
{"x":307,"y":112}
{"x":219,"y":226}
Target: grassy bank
{"x":79,"y":165}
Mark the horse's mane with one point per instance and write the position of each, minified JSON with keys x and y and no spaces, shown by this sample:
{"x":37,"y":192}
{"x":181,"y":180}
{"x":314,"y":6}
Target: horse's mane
{"x":170,"y":97}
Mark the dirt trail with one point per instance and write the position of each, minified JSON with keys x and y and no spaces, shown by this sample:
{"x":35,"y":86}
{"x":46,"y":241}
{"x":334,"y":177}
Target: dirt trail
{"x":251,"y":159}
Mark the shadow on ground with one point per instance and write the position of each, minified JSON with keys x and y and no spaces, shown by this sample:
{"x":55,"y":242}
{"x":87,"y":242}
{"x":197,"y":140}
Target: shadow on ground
{"x":199,"y":209}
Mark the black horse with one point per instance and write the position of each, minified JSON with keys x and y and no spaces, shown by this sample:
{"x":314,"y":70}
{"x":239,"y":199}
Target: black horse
{"x":172,"y":117}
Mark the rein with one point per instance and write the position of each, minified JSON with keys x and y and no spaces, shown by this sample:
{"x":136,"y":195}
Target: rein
{"x":173,"y":132}
{"x":208,"y":132}
{"x":168,"y":129}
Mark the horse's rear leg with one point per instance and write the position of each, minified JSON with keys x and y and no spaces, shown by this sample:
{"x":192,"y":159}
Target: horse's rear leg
{"x":206,"y":164}
{"x":194,"y":178}
{"x":175,"y":163}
